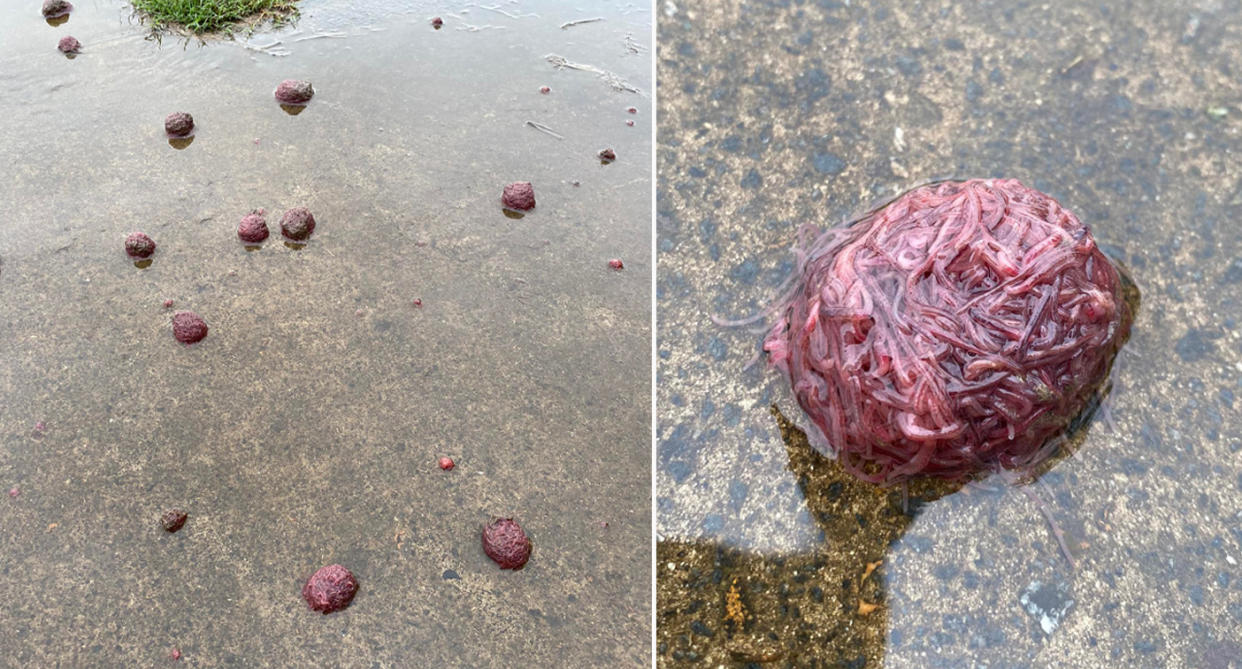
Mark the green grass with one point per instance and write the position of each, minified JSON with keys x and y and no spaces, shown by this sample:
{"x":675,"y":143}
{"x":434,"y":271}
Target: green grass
{"x":212,"y":16}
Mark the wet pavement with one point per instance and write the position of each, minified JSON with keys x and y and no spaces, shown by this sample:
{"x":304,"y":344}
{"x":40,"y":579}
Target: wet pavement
{"x":769,"y":555}
{"x":305,"y":429}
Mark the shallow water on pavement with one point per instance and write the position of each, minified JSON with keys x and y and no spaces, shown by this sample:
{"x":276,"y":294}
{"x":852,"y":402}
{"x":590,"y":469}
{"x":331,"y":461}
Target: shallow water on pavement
{"x":769,"y":554}
{"x":305,"y":429}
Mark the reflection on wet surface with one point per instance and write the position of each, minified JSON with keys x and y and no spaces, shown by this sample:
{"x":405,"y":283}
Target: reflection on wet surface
{"x":1101,"y":107}
{"x":834,"y":597}
{"x":298,"y":434}
{"x":831,"y":598}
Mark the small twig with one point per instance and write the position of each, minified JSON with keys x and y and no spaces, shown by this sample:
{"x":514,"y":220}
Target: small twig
{"x":275,"y":48}
{"x":318,"y":36}
{"x":626,"y":184}
{"x":578,"y":22}
{"x":543,"y":128}
{"x":1067,"y":68}
{"x":498,"y":10}
{"x":563,"y":63}
{"x":612,"y":79}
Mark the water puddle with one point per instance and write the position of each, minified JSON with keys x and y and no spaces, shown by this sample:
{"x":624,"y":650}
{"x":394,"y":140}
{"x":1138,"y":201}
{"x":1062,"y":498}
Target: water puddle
{"x":1126,"y":553}
{"x":306,"y":428}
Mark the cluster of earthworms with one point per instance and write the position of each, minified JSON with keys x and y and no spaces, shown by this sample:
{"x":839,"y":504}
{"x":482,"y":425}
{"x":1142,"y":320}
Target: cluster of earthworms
{"x":954,"y":330}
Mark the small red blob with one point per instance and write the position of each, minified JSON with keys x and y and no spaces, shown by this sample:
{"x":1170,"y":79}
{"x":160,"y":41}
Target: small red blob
{"x":630,"y":122}
{"x":519,"y":195}
{"x":56,"y":8}
{"x":297,"y":224}
{"x":294,"y":92}
{"x":632,"y":110}
{"x":188,"y":327}
{"x":616,"y":263}
{"x":40,"y":426}
{"x":446,"y":463}
{"x":139,"y":245}
{"x":173,"y":520}
{"x":69,"y":44}
{"x":545,"y":90}
{"x":253,"y":228}
{"x":506,"y":543}
{"x":330,"y":589}
{"x":437,"y":22}
{"x":168,"y":304}
{"x":418,"y":302}
{"x":179,"y":124}
{"x":358,"y":312}
{"x":607,"y":155}
{"x":175,"y":654}
{"x":14,"y":492}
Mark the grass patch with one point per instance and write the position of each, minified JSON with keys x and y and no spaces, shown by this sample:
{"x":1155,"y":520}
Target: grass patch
{"x":200,"y":17}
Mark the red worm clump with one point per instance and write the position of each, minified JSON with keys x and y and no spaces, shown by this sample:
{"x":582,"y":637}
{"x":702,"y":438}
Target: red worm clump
{"x":506,"y":543}
{"x":294,"y":92}
{"x":189,"y":327}
{"x":179,"y":124}
{"x":253,"y":228}
{"x":139,"y":245}
{"x":297,"y":224}
{"x":330,"y":589}
{"x":954,"y":330}
{"x":56,"y":8}
{"x":519,"y":195}
{"x":173,"y":520}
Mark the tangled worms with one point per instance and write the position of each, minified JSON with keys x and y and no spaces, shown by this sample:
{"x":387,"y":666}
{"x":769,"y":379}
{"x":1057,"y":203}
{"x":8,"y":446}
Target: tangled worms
{"x":954,"y":330}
